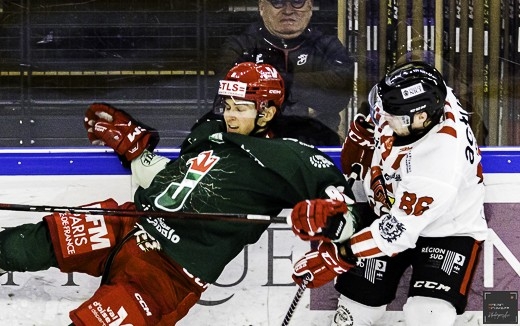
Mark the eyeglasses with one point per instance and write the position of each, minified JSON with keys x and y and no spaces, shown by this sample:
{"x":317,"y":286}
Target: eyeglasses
{"x":279,"y":4}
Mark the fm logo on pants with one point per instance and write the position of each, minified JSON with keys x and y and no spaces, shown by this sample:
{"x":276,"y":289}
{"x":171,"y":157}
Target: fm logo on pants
{"x":83,"y":233}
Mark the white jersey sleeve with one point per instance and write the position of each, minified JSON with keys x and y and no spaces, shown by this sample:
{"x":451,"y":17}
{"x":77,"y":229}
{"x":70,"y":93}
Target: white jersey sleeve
{"x":434,"y":186}
{"x":146,"y":166}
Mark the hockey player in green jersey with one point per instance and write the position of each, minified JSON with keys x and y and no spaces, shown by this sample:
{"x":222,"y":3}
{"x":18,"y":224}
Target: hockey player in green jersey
{"x":155,"y":269}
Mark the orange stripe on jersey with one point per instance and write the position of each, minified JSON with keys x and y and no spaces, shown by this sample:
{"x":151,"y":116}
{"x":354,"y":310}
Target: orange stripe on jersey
{"x":357,"y":238}
{"x":363,"y":245}
{"x":449,"y":115}
{"x":397,"y":161}
{"x":448,"y":130}
{"x":369,"y":253}
{"x":468,"y":275}
{"x":480,"y":173}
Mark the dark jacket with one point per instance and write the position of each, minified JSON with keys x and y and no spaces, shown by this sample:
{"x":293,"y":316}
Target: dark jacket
{"x":317,"y":70}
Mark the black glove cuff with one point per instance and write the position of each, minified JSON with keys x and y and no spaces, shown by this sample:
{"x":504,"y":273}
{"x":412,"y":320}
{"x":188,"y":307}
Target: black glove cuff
{"x":334,"y":227}
{"x":346,"y":253}
{"x":150,"y":146}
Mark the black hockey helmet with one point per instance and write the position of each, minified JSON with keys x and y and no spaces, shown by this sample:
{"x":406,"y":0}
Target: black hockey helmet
{"x":413,"y":87}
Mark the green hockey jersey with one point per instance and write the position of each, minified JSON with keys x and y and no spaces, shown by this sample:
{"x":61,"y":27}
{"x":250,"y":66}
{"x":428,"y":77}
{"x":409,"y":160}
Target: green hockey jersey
{"x":220,"y":172}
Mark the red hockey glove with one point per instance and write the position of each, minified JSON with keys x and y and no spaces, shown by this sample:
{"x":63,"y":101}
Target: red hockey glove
{"x":320,"y":266}
{"x":358,"y":148}
{"x":322,"y":220}
{"x":115,"y":128}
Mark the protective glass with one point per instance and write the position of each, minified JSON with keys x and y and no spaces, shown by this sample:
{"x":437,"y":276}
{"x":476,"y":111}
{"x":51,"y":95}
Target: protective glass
{"x":279,"y":4}
{"x":379,"y":116}
{"x":374,"y":101}
{"x":239,"y":108}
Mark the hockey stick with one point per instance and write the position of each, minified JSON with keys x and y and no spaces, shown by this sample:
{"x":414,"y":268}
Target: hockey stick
{"x":356,"y":171}
{"x":281,"y":218}
{"x":296,"y":300}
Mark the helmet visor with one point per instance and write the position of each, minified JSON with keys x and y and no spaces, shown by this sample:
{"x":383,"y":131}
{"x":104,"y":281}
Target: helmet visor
{"x":376,"y":105}
{"x":380,"y":117}
{"x":239,"y":108}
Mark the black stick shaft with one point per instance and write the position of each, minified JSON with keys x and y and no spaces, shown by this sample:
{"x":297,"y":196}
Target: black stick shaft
{"x":356,"y":170}
{"x":295,"y":301}
{"x":247,"y":218}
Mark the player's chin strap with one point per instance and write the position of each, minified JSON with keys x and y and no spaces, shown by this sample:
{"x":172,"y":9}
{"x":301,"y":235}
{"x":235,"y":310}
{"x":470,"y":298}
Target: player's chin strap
{"x":257,"y":130}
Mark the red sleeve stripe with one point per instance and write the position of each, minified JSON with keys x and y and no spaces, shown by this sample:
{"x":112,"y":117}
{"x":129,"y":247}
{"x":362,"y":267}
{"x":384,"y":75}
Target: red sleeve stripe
{"x":448,"y":130}
{"x":449,"y":115}
{"x":372,"y":253}
{"x":363,"y":245}
{"x":361,"y":236}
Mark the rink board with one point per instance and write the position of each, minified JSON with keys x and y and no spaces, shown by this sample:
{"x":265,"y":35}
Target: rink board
{"x":256,"y":288}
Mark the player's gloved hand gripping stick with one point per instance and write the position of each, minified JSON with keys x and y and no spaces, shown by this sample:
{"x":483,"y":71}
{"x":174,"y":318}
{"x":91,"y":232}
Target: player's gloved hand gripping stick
{"x":333,"y":223}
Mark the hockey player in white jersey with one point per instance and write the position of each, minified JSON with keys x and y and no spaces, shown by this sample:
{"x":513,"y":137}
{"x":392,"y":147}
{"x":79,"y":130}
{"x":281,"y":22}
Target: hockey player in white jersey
{"x":425,"y":188}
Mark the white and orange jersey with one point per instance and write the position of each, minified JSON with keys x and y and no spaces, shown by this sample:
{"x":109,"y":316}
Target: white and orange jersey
{"x":432,"y":187}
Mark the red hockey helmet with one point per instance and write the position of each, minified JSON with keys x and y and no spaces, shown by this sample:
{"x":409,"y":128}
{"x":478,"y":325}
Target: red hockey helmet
{"x":259,"y":83}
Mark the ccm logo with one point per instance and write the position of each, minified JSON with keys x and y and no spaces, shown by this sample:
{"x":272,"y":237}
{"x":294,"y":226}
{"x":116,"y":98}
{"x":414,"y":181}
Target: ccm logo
{"x":143,"y":304}
{"x":431,"y":285}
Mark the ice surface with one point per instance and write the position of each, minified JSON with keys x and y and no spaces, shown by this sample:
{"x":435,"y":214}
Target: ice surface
{"x":45,"y":298}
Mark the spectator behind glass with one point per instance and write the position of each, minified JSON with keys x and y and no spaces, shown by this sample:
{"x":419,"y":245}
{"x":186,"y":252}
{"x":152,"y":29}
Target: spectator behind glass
{"x":316,"y":68}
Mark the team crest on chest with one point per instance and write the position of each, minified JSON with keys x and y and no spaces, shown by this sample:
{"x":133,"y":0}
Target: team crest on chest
{"x":176,"y":194}
{"x":391,"y":229}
